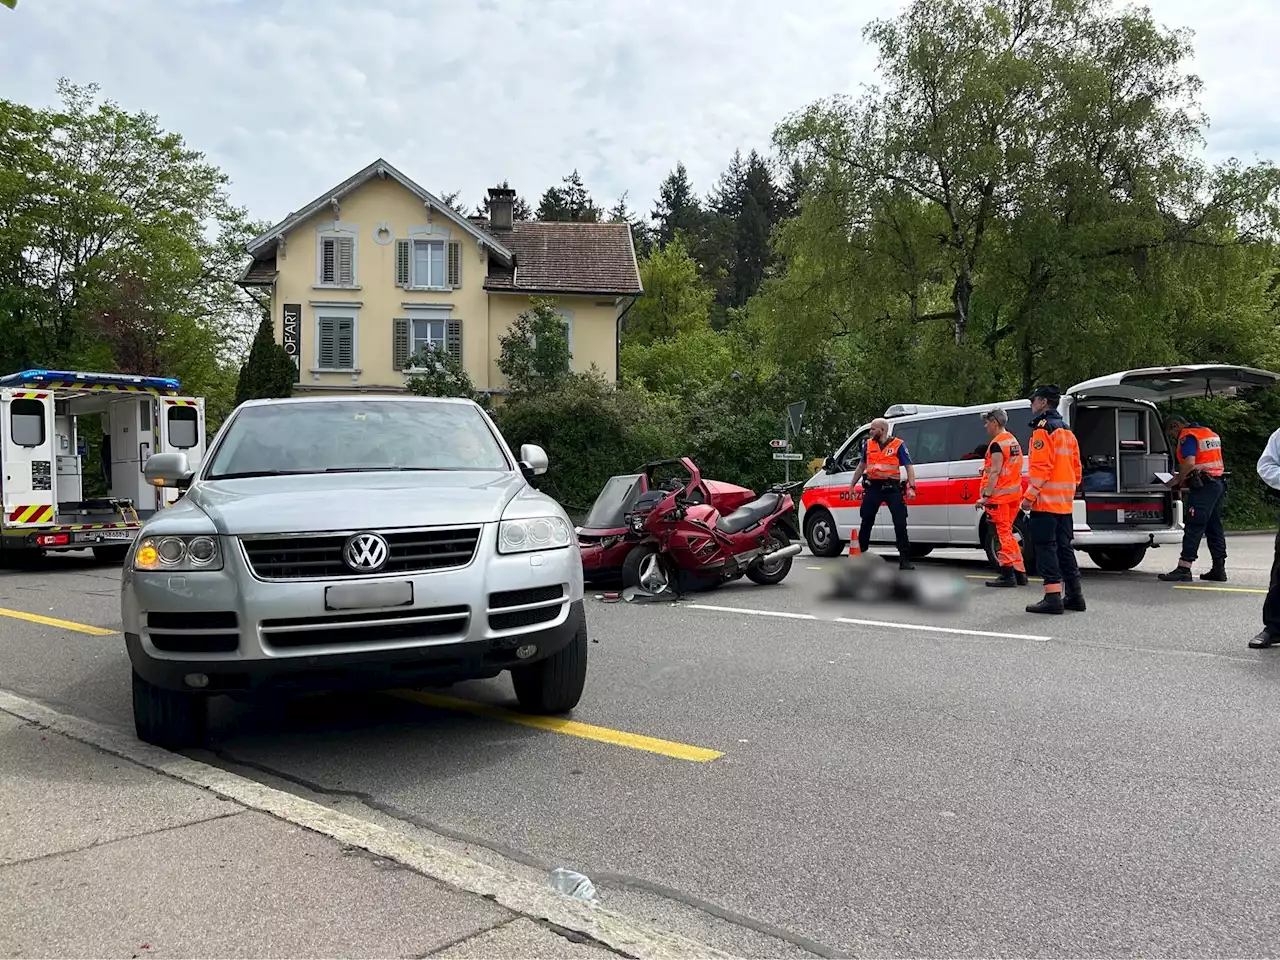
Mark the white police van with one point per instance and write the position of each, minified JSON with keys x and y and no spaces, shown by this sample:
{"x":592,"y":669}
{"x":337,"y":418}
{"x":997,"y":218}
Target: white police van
{"x":1121,"y":510}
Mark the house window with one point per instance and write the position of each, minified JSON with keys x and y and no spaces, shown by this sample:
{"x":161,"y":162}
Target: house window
{"x":335,"y":342}
{"x":428,"y":263}
{"x":426,"y":335}
{"x":337,"y":261}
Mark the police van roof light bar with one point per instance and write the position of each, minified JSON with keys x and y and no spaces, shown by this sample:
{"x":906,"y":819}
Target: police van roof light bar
{"x":73,"y":378}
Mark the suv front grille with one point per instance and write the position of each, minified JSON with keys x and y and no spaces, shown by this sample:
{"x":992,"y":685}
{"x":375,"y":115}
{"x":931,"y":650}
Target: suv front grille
{"x":372,"y":627}
{"x":194,"y":632}
{"x":320,"y":556}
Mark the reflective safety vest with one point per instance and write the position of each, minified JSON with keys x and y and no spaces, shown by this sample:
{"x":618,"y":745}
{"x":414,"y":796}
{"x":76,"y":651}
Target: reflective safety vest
{"x":1208,"y":450}
{"x":882,"y":462}
{"x":1009,"y":482}
{"x":1055,"y":470}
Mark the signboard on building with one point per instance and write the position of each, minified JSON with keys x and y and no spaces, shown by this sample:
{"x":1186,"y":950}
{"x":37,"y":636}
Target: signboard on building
{"x":293,"y":334}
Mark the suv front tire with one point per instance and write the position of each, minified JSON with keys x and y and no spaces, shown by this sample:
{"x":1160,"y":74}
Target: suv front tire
{"x":554,"y":685}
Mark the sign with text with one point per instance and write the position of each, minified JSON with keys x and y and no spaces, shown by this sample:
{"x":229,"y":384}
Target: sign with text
{"x":777,"y":444}
{"x":293,"y":334}
{"x":788,"y":456}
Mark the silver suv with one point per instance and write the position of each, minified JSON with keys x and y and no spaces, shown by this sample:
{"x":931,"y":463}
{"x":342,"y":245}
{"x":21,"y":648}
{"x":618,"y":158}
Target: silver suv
{"x":335,"y":542}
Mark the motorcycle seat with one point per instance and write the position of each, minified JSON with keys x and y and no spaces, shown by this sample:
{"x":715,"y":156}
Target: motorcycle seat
{"x":749,"y":513}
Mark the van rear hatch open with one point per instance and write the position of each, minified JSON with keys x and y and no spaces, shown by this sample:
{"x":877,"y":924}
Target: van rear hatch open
{"x":1122,"y":443}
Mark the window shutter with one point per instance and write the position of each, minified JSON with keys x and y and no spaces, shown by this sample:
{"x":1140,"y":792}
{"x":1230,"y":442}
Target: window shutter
{"x":328,"y":334}
{"x":328,"y":260}
{"x":402,"y":263}
{"x":455,"y":265}
{"x":400,"y":344}
{"x":453,"y":338}
{"x":346,"y":344}
{"x":346,"y":261}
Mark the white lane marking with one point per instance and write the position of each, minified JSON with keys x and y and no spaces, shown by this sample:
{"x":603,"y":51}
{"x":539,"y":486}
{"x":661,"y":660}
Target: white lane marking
{"x":517,"y":894}
{"x":920,"y":627}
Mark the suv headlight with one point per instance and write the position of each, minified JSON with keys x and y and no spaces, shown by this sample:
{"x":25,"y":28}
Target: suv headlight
{"x":178,"y":553}
{"x":538,"y":533}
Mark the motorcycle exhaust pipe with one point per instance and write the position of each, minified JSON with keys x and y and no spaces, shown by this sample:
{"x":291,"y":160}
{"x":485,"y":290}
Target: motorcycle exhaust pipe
{"x":790,"y":550}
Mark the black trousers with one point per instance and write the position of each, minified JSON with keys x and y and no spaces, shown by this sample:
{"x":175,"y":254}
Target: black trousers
{"x":1052,"y":534}
{"x":1271,"y":605}
{"x":874,"y":495}
{"x":1202,"y":519}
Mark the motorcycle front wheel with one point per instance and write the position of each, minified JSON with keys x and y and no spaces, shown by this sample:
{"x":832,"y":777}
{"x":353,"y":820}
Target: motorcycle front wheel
{"x":648,"y":571}
{"x":768,"y":573}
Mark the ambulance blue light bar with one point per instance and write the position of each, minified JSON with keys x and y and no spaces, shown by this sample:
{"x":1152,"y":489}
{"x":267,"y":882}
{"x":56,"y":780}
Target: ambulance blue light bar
{"x":70,"y":379}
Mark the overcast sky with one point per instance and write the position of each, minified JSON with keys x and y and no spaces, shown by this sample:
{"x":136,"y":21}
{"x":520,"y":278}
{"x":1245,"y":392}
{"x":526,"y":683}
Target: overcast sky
{"x":293,"y":96}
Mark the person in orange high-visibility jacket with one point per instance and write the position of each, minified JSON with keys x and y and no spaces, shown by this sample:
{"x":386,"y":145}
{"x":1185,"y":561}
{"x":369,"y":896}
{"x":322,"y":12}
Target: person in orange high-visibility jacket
{"x":1201,"y":473}
{"x":1001,"y":493}
{"x":1055,"y":474}
{"x":883,"y":459}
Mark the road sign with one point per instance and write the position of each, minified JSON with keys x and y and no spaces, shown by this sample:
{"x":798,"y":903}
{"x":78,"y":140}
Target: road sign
{"x":788,"y":456}
{"x":795,"y":414}
{"x":776,"y":444}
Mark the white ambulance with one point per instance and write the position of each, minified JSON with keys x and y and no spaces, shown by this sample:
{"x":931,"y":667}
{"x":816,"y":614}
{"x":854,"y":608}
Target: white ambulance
{"x":42,"y":455}
{"x":1121,"y":510}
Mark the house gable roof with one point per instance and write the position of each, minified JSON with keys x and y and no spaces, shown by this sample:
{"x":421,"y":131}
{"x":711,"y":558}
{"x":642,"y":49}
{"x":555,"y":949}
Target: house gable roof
{"x":260,"y":245}
{"x":554,"y":257}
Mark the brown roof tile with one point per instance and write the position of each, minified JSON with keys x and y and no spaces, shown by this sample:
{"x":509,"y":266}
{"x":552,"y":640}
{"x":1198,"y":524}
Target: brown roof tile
{"x":553,"y":257}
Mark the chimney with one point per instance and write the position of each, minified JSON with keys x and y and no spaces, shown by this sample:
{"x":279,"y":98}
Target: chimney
{"x":502,"y":201}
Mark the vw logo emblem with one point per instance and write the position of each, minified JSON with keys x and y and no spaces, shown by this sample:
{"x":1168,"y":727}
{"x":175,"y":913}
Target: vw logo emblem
{"x":366,"y":552}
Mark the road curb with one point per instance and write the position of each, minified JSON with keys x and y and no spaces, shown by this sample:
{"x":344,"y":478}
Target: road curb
{"x":614,"y":930}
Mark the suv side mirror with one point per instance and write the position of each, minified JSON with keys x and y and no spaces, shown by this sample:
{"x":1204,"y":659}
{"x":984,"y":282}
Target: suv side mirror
{"x":533,"y":460}
{"x":170,"y":469}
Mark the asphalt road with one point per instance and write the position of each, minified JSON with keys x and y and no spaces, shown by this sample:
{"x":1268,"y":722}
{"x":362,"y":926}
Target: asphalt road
{"x":1097,"y":784}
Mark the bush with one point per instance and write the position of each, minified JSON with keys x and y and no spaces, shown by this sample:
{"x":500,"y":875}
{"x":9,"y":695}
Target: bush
{"x":268,"y":371}
{"x":443,"y":375}
{"x":591,"y":431}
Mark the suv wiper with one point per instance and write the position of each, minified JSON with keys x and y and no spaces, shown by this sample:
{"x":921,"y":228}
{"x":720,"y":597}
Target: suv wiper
{"x":375,"y":469}
{"x":244,"y":474}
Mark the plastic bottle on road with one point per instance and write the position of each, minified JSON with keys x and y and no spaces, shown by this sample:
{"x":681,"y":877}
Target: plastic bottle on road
{"x":574,"y":884}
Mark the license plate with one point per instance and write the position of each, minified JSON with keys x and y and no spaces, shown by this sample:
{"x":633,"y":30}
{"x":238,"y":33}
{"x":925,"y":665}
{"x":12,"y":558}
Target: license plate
{"x":98,"y":536}
{"x":1144,"y":516}
{"x":368,"y":596}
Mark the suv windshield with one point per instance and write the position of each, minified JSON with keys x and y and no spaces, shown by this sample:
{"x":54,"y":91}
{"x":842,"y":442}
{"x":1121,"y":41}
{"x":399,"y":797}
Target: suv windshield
{"x":338,"y":436}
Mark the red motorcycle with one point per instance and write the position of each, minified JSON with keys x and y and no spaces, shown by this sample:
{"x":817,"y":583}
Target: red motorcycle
{"x":689,"y":545}
{"x":609,"y":532}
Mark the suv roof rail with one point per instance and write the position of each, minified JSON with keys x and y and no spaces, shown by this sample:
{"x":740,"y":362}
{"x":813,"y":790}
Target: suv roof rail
{"x":907,"y":409}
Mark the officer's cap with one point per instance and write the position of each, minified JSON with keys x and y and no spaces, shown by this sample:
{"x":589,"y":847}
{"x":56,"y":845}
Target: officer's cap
{"x":1049,"y":391}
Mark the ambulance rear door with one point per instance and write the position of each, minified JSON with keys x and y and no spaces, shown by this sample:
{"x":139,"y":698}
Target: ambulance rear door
{"x":27,"y":454}
{"x":180,"y":427}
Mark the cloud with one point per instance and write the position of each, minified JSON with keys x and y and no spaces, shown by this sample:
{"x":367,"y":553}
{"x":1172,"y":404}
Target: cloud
{"x":292,"y":96}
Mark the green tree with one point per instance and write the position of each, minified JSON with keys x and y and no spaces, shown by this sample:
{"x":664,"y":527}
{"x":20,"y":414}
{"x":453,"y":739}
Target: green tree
{"x":268,"y":371}
{"x":442,"y":375}
{"x":678,"y":208}
{"x":1026,"y":178}
{"x":535,"y":354}
{"x":676,"y":300}
{"x":641,"y":235}
{"x":112,"y":230}
{"x":570,"y":202}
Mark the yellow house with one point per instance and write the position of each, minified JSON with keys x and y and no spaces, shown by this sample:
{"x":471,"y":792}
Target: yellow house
{"x":368,"y":274}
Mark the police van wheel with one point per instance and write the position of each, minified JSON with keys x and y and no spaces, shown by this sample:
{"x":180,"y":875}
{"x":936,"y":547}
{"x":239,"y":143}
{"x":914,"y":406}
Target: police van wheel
{"x":1021,"y":534}
{"x":1118,"y":558}
{"x":820,"y":534}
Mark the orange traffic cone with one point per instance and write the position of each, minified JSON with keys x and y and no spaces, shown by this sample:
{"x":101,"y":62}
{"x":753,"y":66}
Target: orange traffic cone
{"x":854,"y":549}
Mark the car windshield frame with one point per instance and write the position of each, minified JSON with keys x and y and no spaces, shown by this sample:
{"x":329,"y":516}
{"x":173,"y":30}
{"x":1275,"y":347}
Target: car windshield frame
{"x":212,"y":469}
{"x":609,"y":515}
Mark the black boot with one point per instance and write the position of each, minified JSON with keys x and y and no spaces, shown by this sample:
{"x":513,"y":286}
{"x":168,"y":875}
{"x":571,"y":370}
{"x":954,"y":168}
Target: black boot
{"x":1178,"y":574}
{"x":1050,"y":603}
{"x":1074,"y":599}
{"x":1006,"y":578}
{"x":1218,"y":572}
{"x":905,"y":564}
{"x":1021,"y":577}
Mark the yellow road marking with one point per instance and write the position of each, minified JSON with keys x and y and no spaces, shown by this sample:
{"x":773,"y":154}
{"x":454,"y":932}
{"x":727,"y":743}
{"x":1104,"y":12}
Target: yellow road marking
{"x":1186,"y":586}
{"x":55,"y":622}
{"x":572,"y":728}
{"x":815,"y":568}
